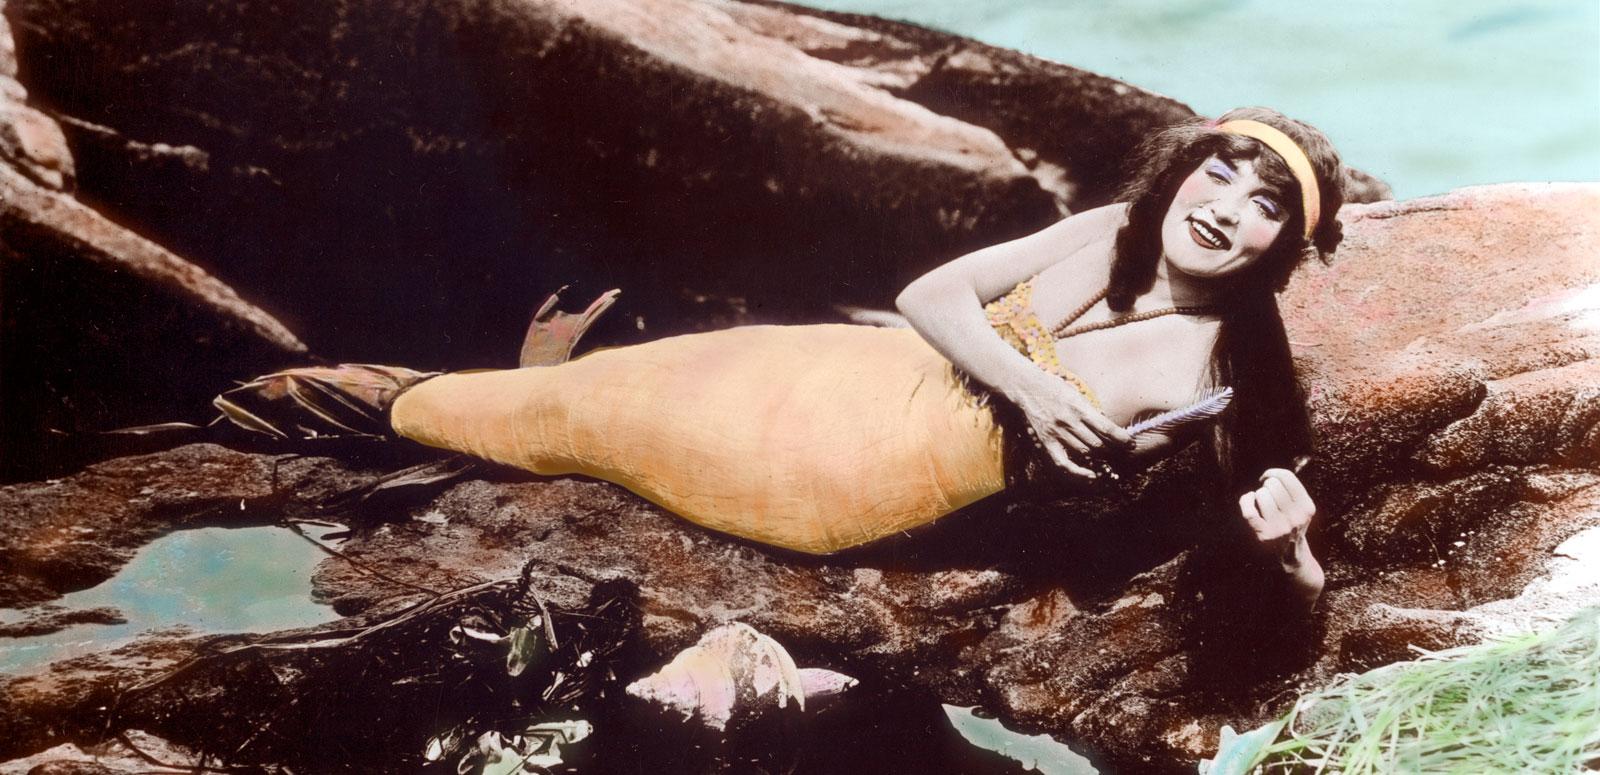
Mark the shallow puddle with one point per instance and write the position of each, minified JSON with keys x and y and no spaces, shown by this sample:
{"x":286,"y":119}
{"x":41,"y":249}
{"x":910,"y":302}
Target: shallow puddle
{"x":209,"y":580}
{"x":1039,"y":753}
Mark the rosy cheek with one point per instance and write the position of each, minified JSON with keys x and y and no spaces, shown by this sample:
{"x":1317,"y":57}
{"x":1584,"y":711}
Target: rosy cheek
{"x":1260,"y":235}
{"x":1192,"y":186}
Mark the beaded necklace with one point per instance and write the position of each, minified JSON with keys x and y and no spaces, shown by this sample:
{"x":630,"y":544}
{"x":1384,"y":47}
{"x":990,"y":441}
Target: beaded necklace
{"x":1065,"y":328}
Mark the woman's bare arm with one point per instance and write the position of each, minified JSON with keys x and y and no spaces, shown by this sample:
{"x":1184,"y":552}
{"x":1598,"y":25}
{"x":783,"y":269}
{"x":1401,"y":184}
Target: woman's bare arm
{"x":994,"y":270}
{"x":1280,"y":512}
{"x":946,"y":307}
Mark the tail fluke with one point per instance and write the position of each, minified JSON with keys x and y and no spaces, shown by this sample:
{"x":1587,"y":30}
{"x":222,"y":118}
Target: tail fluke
{"x":553,"y":333}
{"x":345,"y":401}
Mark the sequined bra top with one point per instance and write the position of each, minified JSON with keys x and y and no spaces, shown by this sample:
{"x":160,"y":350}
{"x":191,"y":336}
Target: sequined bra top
{"x":1013,"y":318}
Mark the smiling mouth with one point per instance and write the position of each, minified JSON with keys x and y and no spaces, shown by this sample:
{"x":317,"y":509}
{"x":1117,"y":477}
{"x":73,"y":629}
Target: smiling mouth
{"x":1207,"y":236}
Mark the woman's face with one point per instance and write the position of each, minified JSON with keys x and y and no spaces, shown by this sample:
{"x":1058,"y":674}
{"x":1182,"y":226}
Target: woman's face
{"x":1221,"y":220}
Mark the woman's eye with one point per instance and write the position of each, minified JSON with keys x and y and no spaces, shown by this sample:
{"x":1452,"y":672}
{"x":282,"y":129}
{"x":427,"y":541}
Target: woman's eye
{"x":1269,"y":208}
{"x":1219,"y":172}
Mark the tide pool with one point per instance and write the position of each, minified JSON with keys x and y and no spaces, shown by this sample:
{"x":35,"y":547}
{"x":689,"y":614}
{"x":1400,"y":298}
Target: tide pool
{"x":209,"y":580}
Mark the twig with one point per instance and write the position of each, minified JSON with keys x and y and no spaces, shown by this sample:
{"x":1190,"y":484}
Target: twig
{"x":409,"y":614}
{"x":266,"y":725}
{"x":359,"y":565}
{"x":549,"y":624}
{"x":524,"y":582}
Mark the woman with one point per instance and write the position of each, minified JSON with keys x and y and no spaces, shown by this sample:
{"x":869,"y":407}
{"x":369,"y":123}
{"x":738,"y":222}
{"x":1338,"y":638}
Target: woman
{"x":816,"y":438}
{"x":1213,"y":222}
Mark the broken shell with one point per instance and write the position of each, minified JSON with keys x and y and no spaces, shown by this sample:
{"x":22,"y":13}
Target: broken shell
{"x":732,"y":669}
{"x":819,"y":683}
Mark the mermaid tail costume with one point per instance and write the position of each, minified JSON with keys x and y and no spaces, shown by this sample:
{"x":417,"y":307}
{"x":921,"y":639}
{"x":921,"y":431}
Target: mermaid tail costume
{"x":813,"y":438}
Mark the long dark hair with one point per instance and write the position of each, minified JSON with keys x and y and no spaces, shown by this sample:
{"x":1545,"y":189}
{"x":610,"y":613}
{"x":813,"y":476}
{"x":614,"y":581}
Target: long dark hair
{"x":1268,"y":424}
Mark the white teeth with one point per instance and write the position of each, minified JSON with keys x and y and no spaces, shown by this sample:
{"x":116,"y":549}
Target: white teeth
{"x":1211,"y":235}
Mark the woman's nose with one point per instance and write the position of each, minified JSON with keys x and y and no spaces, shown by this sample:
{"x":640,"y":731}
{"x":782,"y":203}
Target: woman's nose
{"x":1226,"y":209}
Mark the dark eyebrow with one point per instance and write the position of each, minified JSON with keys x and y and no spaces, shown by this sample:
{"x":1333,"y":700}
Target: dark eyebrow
{"x":1276,"y":192}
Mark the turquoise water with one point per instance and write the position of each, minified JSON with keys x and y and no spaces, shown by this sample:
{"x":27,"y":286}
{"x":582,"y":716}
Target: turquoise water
{"x":1429,"y":96}
{"x":1040,"y":753}
{"x":213,"y":579}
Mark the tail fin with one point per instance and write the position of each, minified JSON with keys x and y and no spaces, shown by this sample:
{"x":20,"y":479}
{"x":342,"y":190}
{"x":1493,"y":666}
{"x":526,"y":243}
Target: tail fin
{"x":553,"y":333}
{"x":347,"y":401}
{"x":352,"y":400}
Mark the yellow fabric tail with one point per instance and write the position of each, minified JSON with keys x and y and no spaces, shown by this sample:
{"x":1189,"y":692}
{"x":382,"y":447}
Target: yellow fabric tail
{"x":811,"y":438}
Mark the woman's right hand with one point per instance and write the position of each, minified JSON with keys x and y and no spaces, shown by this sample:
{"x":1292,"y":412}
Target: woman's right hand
{"x":1066,"y":425}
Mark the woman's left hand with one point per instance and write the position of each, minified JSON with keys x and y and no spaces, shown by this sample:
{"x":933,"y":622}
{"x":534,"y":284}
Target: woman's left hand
{"x":1279,"y":512}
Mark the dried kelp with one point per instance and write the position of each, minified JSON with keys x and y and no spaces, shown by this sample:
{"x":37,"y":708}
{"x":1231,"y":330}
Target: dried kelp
{"x":488,"y":678}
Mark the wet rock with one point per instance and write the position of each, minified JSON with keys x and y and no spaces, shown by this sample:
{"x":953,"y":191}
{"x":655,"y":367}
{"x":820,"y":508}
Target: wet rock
{"x":745,"y":162}
{"x":72,"y":533}
{"x":1416,"y":521}
{"x":30,"y":141}
{"x":1521,"y":420}
{"x":61,"y":704}
{"x":105,"y":329}
{"x":576,"y":533}
{"x":136,"y":753}
{"x":47,"y":619}
{"x":1448,"y":351}
{"x":35,"y":146}
{"x":866,"y":610}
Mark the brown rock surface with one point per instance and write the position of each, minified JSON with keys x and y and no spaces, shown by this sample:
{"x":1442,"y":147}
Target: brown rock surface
{"x":1457,"y":437}
{"x":68,"y":534}
{"x":29,"y":140}
{"x":109,"y":758}
{"x":400,"y":182}
{"x":1449,"y":350}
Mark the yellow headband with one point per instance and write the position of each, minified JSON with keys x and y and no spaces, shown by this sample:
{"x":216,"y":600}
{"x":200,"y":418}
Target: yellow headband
{"x":1299,"y":165}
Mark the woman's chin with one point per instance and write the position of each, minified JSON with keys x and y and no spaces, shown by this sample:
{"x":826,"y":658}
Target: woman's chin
{"x":1202,"y":270}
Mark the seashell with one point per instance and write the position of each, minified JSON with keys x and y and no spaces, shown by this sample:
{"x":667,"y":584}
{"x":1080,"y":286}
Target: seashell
{"x":733,"y":669}
{"x":697,"y":683}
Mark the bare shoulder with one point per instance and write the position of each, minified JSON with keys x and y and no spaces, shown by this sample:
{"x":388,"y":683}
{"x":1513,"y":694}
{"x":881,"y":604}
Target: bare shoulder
{"x":1081,"y":268}
{"x":1080,"y":229}
{"x":1074,"y":277}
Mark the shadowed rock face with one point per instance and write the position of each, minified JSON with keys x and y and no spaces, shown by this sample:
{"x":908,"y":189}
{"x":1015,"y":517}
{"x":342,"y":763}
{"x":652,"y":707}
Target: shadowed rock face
{"x":1448,"y":351}
{"x":104,"y":329}
{"x":99,"y":327}
{"x":405,"y":180}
